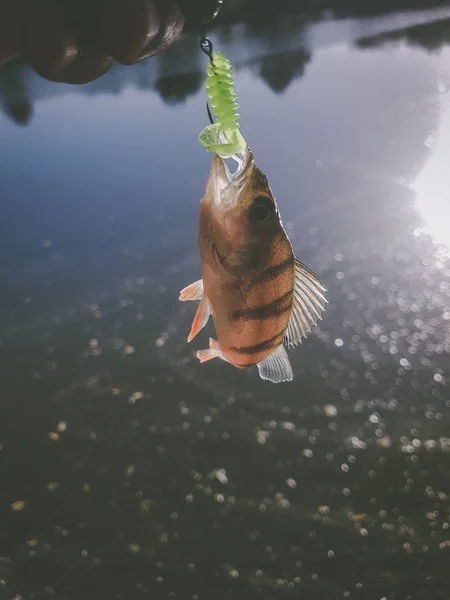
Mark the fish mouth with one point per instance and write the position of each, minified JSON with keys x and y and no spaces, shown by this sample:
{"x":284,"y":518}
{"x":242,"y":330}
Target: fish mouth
{"x":224,"y":177}
{"x":244,"y":160}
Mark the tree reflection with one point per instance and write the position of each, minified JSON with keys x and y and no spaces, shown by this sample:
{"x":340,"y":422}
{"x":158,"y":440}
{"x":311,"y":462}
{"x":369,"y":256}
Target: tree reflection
{"x":174,"y":90}
{"x":279,"y":70}
{"x":275,"y":49}
{"x":430,"y":36}
{"x":14,"y":100}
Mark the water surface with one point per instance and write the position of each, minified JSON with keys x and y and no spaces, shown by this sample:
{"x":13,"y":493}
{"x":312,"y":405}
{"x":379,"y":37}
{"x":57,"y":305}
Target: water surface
{"x":128,"y":469}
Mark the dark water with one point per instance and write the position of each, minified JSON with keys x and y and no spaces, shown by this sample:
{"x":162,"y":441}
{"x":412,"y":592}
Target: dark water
{"x":128,"y":470}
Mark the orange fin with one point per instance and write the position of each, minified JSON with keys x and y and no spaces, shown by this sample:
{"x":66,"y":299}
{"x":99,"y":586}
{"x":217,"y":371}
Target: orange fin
{"x":214,"y":351}
{"x":200,"y":319}
{"x":192,"y":292}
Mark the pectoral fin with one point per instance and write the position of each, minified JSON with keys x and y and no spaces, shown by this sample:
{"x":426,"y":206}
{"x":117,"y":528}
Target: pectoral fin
{"x":276,"y":367}
{"x":192,"y":292}
{"x":200,"y":319}
{"x":213,"y":351}
{"x":308,"y":305}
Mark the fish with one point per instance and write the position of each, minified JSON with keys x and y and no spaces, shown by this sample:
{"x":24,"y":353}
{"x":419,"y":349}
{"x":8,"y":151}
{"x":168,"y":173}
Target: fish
{"x":260,"y":296}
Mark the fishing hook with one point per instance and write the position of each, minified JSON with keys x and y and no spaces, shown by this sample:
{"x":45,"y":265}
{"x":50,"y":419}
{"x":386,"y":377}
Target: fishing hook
{"x":210,"y":117}
{"x":205,"y":43}
{"x":206,"y":46}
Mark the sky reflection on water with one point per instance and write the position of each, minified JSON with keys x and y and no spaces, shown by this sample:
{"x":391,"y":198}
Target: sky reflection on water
{"x":433,"y":182}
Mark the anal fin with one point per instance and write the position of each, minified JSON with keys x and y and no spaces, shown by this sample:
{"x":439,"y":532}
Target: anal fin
{"x":213,"y":351}
{"x":200,"y":319}
{"x":276,"y":367}
{"x":194,"y":291}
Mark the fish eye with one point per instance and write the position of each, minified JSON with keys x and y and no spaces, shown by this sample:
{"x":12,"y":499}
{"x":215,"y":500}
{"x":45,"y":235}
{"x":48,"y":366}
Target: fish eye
{"x":262,"y":209}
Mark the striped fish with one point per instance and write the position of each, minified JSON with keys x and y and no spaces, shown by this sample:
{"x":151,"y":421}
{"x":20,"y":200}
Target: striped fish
{"x":259,"y":295}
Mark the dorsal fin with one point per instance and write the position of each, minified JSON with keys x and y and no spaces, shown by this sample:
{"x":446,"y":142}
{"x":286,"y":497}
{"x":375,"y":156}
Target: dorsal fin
{"x":308,"y":304}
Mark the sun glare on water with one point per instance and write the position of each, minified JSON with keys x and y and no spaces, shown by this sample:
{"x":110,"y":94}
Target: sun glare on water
{"x":432,"y":185}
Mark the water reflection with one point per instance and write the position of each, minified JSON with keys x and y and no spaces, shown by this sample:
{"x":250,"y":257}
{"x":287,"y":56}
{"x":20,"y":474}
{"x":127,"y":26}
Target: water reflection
{"x":278,"y":70}
{"x":431,"y":36}
{"x":127,"y":467}
{"x":433,"y":182}
{"x":279,"y":51}
{"x":14,"y":99}
{"x":176,"y":89}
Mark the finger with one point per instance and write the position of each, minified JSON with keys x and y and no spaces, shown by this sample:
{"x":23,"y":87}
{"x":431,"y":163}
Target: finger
{"x":9,"y":33}
{"x":127,"y":27}
{"x":200,"y":11}
{"x":89,"y":65}
{"x":8,"y":51}
{"x":171,"y":27}
{"x":61,"y":58}
{"x":53,"y":51}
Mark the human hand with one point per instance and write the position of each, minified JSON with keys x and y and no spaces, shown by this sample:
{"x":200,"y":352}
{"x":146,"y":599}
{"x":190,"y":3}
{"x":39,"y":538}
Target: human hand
{"x":76,"y":41}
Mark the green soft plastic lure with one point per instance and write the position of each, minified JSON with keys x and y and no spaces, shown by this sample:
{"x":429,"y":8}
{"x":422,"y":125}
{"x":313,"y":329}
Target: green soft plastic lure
{"x":223,"y":136}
